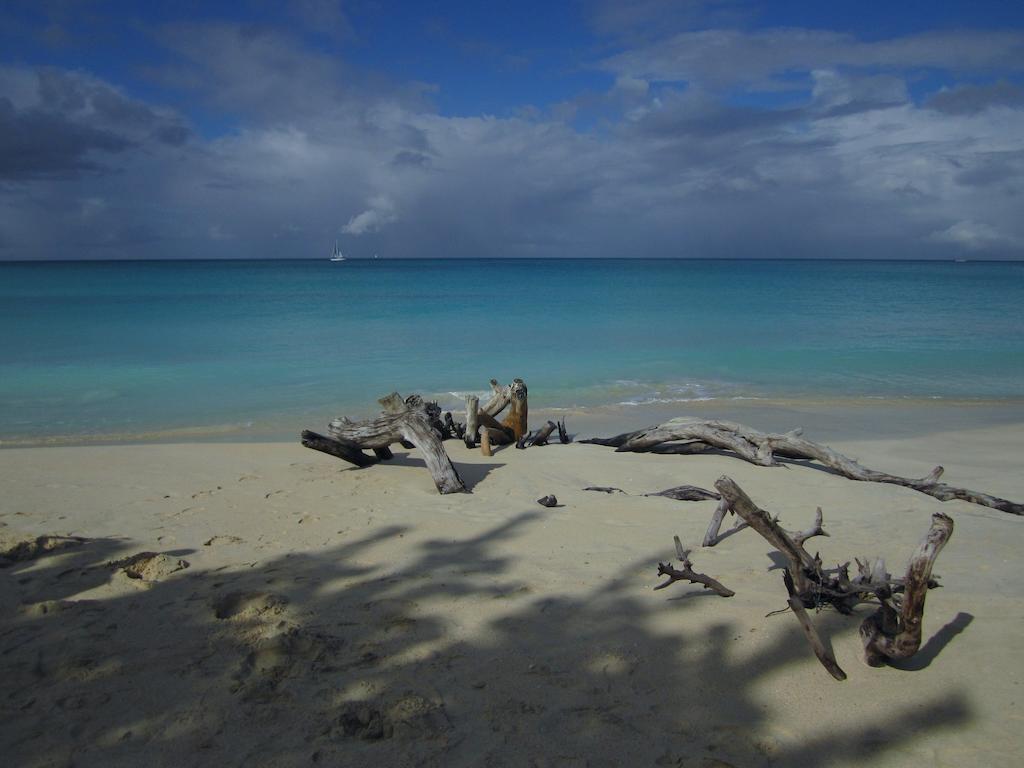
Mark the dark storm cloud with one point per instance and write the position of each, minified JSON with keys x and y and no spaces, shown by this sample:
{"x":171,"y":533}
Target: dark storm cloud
{"x":65,"y":124}
{"x":39,"y":144}
{"x":970,"y":99}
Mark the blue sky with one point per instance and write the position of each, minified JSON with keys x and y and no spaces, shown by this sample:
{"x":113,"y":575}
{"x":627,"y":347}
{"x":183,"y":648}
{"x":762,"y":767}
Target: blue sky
{"x":670,"y":129}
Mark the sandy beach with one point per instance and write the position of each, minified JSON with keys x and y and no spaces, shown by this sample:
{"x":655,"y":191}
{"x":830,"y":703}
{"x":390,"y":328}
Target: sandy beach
{"x":336,"y":616}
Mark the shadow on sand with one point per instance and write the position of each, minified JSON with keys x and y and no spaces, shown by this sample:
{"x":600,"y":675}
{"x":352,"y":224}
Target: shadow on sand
{"x":319,"y":658}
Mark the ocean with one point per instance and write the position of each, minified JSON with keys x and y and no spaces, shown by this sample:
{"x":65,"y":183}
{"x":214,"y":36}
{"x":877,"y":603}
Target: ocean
{"x":264,"y":348}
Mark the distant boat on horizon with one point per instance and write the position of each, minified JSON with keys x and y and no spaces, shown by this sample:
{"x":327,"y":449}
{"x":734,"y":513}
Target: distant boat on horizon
{"x":336,"y":254}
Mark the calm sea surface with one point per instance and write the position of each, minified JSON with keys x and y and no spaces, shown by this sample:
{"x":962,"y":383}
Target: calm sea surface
{"x":131,"y":348}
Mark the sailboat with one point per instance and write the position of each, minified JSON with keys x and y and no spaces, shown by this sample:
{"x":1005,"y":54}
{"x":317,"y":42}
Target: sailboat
{"x":336,"y":254}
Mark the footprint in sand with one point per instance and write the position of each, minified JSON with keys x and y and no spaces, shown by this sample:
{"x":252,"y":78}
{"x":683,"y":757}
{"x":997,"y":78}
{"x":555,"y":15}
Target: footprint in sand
{"x":150,"y":566}
{"x":203,"y":494}
{"x":222,"y":539}
{"x":248,"y":605}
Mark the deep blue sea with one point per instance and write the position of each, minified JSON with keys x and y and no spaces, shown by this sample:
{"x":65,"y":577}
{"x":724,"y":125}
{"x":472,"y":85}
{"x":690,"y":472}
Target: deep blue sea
{"x":126,"y":348}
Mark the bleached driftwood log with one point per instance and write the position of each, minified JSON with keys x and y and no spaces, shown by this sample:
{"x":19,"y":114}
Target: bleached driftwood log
{"x":892,"y":632}
{"x":403,"y":421}
{"x":472,"y":421}
{"x":686,"y":435}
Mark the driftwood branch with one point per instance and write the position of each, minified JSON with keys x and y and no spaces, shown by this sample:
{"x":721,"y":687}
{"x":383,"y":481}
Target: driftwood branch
{"x":686,"y":493}
{"x":711,"y":536}
{"x":686,"y":435}
{"x":542,"y":435}
{"x":342,"y":449}
{"x":896,"y":634}
{"x":685,"y":572}
{"x":472,"y":420}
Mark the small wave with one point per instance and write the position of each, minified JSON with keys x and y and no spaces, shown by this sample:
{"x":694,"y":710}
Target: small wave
{"x":665,"y":400}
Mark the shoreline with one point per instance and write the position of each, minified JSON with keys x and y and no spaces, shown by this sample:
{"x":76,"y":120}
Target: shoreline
{"x":835,"y":417}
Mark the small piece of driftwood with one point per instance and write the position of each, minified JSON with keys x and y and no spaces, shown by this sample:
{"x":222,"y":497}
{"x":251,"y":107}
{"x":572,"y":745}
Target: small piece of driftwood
{"x":542,"y":435}
{"x":685,"y":572}
{"x":679,"y":493}
{"x":548,"y":501}
{"x":686,"y":493}
{"x":688,"y":435}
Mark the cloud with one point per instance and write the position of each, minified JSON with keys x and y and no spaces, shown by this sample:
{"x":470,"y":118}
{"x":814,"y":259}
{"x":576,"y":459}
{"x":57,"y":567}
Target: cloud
{"x":837,"y":161}
{"x":59,"y":124}
{"x":37,"y":144}
{"x":380,"y":213}
{"x":976,"y":236}
{"x":724,"y":57}
{"x":970,"y":99}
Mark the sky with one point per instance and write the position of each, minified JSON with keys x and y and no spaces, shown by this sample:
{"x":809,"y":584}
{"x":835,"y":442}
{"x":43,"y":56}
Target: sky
{"x":584,"y":128}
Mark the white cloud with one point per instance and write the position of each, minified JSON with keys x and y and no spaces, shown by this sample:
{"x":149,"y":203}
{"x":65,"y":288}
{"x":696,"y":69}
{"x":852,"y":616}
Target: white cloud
{"x":380,"y":213}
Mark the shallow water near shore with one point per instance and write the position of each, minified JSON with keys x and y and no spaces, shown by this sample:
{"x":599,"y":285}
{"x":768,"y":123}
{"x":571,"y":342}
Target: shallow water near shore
{"x":120,"y":351}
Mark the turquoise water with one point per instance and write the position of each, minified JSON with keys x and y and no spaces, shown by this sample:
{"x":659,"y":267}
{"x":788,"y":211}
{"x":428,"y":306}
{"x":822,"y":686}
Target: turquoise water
{"x":129,"y":348}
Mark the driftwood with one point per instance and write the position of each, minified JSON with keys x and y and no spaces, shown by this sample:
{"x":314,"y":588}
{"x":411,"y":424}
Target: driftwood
{"x":686,"y":573}
{"x":513,"y":428}
{"x":542,"y":435}
{"x":500,"y":434}
{"x":563,"y":434}
{"x":712,"y":536}
{"x":410,"y":422}
{"x":687,"y":435}
{"x":489,"y":437}
{"x":472,"y":423}
{"x":342,"y":449}
{"x":548,"y":501}
{"x":895,"y":633}
{"x":892,"y":632}
{"x":679,"y":492}
{"x":686,"y":493}
{"x":518,"y":409}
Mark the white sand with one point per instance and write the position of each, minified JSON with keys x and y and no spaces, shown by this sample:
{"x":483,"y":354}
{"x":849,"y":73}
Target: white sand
{"x":355,"y":617}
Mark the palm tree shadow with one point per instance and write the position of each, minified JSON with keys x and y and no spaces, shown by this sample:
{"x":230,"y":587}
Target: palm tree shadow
{"x":445,"y":654}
